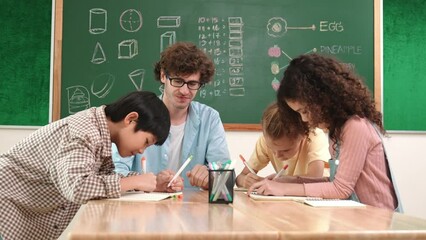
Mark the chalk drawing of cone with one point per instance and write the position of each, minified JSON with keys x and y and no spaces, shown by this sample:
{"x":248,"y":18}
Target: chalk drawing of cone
{"x":98,"y":56}
{"x":137,"y":78}
{"x":78,"y":99}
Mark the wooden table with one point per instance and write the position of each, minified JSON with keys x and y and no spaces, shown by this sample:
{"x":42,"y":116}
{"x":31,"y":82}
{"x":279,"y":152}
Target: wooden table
{"x":194,"y":218}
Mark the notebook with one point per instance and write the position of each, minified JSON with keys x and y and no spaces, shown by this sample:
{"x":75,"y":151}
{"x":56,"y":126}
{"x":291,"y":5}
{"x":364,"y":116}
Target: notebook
{"x":145,"y":197}
{"x":333,"y":203}
{"x":259,"y":197}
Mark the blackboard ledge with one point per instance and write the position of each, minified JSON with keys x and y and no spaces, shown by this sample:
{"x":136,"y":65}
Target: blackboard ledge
{"x":406,"y":131}
{"x":19,"y":127}
{"x":242,"y":127}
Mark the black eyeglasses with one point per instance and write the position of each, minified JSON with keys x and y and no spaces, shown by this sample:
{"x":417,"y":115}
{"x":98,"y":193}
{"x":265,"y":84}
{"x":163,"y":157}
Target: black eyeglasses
{"x":179,"y":82}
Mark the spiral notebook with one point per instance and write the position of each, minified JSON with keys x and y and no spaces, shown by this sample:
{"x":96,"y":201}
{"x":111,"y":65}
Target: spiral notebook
{"x":145,"y":197}
{"x":332,"y":203}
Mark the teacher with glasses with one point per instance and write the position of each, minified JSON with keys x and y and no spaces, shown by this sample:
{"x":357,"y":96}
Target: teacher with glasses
{"x":196,"y":129}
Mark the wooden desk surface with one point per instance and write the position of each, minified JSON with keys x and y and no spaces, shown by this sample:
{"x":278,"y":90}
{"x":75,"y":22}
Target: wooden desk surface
{"x":194,"y":218}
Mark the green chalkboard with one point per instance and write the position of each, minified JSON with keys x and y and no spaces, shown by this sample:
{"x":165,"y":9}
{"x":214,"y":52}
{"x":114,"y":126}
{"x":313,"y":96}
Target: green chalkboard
{"x":25,"y":36}
{"x":109,"y":47}
{"x":404,"y":85}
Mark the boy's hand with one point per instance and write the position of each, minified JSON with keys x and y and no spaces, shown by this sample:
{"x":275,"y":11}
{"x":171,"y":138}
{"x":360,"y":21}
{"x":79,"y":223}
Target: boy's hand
{"x":145,"y":182}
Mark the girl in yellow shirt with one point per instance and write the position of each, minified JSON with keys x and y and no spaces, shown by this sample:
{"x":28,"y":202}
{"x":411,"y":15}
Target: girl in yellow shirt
{"x":286,"y":143}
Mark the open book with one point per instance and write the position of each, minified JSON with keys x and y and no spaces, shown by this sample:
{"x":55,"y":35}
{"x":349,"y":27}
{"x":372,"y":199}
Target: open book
{"x":145,"y":197}
{"x":333,"y":203}
{"x":259,"y":197}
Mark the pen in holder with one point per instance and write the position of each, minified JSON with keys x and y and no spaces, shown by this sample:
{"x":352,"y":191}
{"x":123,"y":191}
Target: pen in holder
{"x":221,"y":186}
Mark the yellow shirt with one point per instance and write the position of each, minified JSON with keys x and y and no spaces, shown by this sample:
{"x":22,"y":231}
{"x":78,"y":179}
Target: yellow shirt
{"x":315,"y":149}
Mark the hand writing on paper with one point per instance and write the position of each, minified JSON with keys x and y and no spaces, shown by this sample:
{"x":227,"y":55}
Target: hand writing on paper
{"x":145,"y":182}
{"x":282,"y":179}
{"x":199,"y":176}
{"x":267,"y":187}
{"x":163,"y":179}
{"x":246,"y":181}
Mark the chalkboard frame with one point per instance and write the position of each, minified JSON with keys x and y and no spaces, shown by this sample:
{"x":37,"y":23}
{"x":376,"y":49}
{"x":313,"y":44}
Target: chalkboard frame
{"x":57,"y":66}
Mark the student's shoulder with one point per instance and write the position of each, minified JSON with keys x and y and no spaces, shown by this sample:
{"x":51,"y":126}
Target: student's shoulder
{"x":361,"y":127}
{"x":355,"y":123}
{"x":317,"y":134}
{"x":84,"y":123}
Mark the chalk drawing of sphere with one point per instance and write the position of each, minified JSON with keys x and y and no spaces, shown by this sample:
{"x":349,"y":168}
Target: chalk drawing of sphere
{"x":131,"y":20}
{"x":277,"y":27}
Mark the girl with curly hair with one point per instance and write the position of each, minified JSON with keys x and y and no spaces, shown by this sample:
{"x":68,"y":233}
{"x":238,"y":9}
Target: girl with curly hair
{"x":328,"y":94}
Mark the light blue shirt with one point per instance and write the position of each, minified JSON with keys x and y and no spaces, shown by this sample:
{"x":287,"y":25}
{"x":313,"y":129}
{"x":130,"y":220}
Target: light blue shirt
{"x":204,"y":139}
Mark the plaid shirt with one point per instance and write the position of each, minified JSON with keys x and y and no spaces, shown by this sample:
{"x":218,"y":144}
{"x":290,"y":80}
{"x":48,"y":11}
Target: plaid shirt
{"x":47,"y":176}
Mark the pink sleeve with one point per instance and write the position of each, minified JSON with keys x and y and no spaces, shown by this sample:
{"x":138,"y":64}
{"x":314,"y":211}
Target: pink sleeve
{"x":354,"y":148}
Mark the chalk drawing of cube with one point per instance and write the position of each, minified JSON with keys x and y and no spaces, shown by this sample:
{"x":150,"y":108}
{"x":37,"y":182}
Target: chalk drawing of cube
{"x":127,"y":49}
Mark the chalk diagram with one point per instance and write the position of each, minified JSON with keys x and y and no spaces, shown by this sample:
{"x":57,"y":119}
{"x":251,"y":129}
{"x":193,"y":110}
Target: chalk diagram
{"x":78,"y":99}
{"x":137,"y":77}
{"x":169,"y":37}
{"x":98,"y":56}
{"x":102,"y":85}
{"x":277,"y":27}
{"x":97,"y":20}
{"x":131,"y":20}
{"x":128,"y":49}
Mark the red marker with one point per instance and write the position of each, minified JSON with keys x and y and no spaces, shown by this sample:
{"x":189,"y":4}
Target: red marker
{"x":143,"y":163}
{"x":245,"y":163}
{"x":281,"y":172}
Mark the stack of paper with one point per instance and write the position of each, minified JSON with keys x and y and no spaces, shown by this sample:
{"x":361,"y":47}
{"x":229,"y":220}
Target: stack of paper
{"x":259,"y":197}
{"x":333,"y":203}
{"x":145,"y":197}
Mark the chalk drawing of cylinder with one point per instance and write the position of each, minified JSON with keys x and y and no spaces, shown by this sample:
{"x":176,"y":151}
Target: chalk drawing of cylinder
{"x":97,"y":20}
{"x":167,"y":39}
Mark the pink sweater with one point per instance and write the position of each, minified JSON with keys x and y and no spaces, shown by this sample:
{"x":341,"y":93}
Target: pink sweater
{"x":361,"y":168}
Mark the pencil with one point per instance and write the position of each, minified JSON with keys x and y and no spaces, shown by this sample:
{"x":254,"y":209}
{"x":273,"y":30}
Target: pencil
{"x":180,"y":170}
{"x":246,"y":164}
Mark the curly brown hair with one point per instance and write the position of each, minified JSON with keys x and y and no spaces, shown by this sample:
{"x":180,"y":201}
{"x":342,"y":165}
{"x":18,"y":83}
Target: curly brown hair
{"x":279,"y":122}
{"x":331,"y":91}
{"x":184,"y":58}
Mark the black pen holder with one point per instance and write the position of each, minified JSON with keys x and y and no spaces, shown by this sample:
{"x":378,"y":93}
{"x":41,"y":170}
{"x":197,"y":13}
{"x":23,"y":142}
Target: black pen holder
{"x":221,"y":186}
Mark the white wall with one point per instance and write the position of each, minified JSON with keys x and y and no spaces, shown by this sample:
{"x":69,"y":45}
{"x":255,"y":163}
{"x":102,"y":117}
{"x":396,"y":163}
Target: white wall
{"x":404,"y":151}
